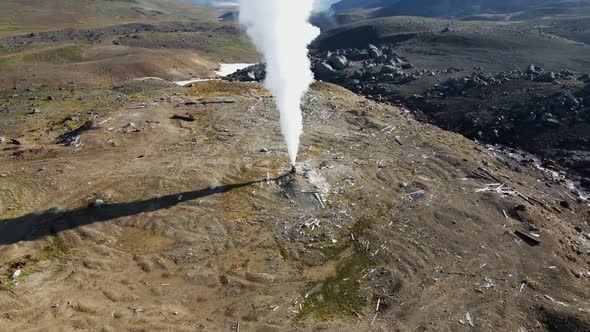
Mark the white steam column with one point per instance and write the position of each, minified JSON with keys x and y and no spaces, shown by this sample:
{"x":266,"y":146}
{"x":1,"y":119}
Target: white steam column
{"x":281,"y":31}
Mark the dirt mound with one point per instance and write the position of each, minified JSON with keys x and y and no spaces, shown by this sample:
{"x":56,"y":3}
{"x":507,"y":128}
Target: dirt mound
{"x":159,"y":223}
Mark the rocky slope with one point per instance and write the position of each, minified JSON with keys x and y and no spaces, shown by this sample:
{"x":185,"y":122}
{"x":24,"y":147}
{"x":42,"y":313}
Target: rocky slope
{"x":475,"y":80}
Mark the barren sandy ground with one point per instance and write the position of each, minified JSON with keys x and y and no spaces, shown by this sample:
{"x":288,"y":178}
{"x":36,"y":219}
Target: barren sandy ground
{"x":203,"y":229}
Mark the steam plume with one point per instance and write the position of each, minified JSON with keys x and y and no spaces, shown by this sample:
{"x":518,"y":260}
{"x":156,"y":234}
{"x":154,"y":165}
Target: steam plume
{"x":281,"y":31}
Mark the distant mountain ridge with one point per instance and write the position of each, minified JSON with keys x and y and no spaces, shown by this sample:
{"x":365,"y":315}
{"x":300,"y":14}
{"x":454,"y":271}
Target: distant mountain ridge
{"x":450,"y":8}
{"x":353,"y":4}
{"x":214,"y":3}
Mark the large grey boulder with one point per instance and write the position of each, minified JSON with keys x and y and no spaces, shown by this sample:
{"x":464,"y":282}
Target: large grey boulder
{"x":323,"y":71}
{"x":374,"y":51}
{"x":338,"y":62}
{"x":381,"y":59}
{"x":547,"y":77}
{"x":535,"y":70}
{"x":388,"y":69}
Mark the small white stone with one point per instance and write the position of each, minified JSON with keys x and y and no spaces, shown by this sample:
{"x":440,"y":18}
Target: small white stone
{"x":17,"y":273}
{"x":98,"y":203}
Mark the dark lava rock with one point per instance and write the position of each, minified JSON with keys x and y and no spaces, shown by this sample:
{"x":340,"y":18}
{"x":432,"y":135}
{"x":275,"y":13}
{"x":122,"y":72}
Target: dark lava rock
{"x":338,"y":61}
{"x":512,"y":107}
{"x":323,"y":71}
{"x":389,"y":51}
{"x":547,"y":77}
{"x":535,"y":70}
{"x":255,"y":72}
{"x":50,"y":98}
{"x":374,"y":51}
{"x":381,"y":59}
{"x":566,"y":73}
{"x":389,"y":69}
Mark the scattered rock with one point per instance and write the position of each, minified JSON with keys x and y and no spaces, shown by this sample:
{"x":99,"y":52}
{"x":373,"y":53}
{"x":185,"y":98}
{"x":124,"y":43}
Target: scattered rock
{"x":18,"y":141}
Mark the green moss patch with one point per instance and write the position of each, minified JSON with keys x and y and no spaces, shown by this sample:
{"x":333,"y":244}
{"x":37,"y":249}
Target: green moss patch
{"x":58,"y":56}
{"x":339,"y":295}
{"x":28,"y":264}
{"x":360,"y":225}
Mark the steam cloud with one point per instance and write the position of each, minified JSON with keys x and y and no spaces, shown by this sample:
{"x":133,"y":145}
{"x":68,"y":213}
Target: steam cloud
{"x":281,"y":31}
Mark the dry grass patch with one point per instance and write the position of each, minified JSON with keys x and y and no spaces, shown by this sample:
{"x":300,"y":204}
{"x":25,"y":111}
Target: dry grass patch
{"x":226,"y":89}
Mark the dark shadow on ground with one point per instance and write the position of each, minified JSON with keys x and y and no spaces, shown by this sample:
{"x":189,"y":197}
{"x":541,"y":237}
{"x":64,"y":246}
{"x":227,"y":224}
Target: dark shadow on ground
{"x":36,"y":225}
